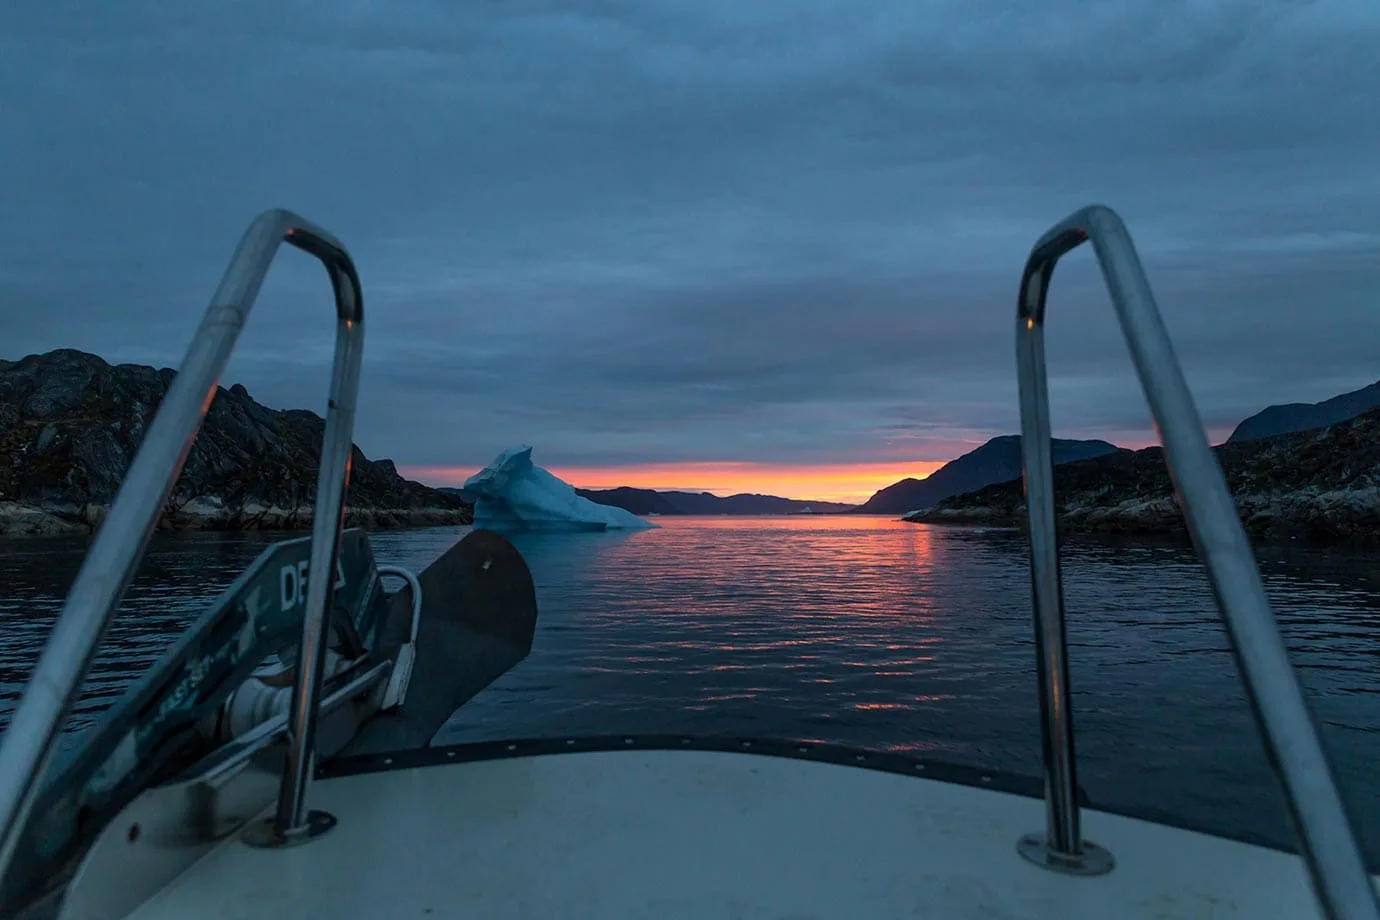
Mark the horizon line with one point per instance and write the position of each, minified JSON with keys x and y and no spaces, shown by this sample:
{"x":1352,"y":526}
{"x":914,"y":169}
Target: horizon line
{"x":838,"y":483}
{"x":841,"y":483}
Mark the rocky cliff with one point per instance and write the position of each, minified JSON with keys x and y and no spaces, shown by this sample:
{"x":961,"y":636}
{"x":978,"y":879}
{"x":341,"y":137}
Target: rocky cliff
{"x":1321,"y":485}
{"x":70,"y":424}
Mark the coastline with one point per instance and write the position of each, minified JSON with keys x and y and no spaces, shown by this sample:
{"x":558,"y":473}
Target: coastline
{"x":1328,"y":517}
{"x":71,"y":425}
{"x":1320,"y":485}
{"x":20,"y":519}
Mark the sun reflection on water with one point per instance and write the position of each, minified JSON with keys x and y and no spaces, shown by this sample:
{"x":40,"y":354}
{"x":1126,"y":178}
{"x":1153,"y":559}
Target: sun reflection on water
{"x":859,"y":631}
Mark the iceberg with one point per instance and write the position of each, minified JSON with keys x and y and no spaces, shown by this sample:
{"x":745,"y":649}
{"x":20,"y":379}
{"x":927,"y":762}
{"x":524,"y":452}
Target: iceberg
{"x":513,"y":493}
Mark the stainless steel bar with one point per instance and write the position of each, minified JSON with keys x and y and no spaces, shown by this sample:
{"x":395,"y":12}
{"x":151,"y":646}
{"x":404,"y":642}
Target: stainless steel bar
{"x":119,"y":545}
{"x":1324,"y":832}
{"x":327,"y":522}
{"x":1056,"y":718}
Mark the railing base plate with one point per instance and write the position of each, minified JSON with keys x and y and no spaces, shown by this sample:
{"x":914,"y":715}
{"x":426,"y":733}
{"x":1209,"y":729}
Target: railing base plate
{"x":1092,"y":860}
{"x":264,"y":834}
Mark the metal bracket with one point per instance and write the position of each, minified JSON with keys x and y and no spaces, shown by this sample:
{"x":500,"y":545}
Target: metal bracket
{"x":395,"y":694}
{"x":263,"y":834}
{"x":169,"y":827}
{"x":1091,"y":859}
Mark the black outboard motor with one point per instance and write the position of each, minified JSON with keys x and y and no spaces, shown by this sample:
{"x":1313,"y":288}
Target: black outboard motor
{"x":398,"y":667}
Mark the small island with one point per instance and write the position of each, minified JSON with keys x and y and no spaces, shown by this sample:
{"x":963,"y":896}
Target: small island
{"x":70,"y":424}
{"x":1321,"y":485}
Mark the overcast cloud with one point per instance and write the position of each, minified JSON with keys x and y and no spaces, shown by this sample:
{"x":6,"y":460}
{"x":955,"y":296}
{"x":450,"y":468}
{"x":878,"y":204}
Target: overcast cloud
{"x":701,"y":230}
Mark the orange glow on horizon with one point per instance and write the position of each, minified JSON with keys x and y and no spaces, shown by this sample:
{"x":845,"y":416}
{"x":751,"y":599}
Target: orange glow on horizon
{"x":847,"y":483}
{"x":851,"y":483}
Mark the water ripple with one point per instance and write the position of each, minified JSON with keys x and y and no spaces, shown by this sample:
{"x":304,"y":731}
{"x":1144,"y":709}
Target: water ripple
{"x":847,"y":630}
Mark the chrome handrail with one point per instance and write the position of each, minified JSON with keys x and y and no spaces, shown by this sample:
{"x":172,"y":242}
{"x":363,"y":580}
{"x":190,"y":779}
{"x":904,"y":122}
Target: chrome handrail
{"x":1326,"y":839}
{"x":119,"y":545}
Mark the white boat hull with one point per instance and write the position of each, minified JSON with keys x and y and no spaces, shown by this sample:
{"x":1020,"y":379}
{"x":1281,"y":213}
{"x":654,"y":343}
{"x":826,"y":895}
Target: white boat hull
{"x":710,"y":834}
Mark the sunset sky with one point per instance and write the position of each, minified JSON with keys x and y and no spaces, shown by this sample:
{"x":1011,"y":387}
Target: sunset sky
{"x":844,"y":482}
{"x":841,"y":483}
{"x":736,"y":246}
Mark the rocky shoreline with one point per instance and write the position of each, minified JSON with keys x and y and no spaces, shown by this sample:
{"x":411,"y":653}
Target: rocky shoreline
{"x":54,"y":519}
{"x":1321,"y":485}
{"x":70,"y":424}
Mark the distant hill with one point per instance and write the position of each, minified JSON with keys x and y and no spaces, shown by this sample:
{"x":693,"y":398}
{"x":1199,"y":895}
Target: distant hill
{"x":1320,"y":485}
{"x":638,"y":501}
{"x":1293,"y":417}
{"x":650,"y":501}
{"x":999,"y":460}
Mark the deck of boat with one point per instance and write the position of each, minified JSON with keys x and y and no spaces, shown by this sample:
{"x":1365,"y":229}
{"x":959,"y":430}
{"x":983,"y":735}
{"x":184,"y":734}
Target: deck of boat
{"x":709,"y":834}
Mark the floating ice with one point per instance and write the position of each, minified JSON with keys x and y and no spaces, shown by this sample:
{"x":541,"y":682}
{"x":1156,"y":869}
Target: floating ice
{"x":513,"y":493}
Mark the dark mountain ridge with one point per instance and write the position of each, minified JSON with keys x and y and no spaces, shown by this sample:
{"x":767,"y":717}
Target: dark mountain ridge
{"x":651,"y":501}
{"x":70,"y":424}
{"x":1292,"y":417}
{"x":1322,"y":485}
{"x":996,"y":461}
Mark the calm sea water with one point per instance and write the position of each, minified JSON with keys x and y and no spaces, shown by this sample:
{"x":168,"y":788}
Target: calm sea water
{"x":861,"y":631}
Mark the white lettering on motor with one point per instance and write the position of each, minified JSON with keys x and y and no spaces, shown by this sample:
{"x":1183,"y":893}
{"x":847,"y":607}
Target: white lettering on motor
{"x":293,"y":581}
{"x":288,"y":579}
{"x":302,"y":581}
{"x":184,"y":694}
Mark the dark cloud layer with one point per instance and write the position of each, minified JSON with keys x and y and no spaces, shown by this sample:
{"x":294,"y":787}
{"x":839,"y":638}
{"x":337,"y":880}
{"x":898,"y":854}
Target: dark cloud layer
{"x":786,"y":232}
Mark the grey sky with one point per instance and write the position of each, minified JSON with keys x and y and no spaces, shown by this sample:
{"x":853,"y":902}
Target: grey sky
{"x":701,"y":230}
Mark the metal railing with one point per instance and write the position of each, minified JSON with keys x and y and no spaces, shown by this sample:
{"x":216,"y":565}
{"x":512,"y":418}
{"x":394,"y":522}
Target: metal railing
{"x":119,"y":546}
{"x":396,"y":691}
{"x":1326,"y":840}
